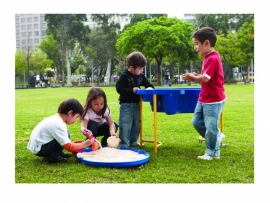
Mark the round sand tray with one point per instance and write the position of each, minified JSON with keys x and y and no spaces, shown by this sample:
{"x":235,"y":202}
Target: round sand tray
{"x":112,"y":157}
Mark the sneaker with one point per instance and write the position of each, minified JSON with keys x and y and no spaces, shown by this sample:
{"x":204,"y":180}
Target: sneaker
{"x":58,"y":159}
{"x":63,"y":155}
{"x":136,"y":144}
{"x":207,"y":157}
{"x":221,"y":137}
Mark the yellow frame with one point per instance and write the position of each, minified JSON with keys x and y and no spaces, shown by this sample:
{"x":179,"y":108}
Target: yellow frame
{"x":155,"y":141}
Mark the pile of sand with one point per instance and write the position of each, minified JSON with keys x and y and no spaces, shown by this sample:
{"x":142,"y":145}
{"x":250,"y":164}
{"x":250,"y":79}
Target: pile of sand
{"x":113,"y":155}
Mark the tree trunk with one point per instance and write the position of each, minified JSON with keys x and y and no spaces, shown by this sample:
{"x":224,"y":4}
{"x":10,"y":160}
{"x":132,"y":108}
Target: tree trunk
{"x":63,"y":73}
{"x":191,"y":70}
{"x":68,"y":55}
{"x":159,"y":62}
{"x":108,"y":72}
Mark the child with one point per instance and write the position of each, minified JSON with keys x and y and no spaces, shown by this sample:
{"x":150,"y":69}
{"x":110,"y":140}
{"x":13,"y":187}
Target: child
{"x":51,"y":135}
{"x":97,"y":116}
{"x":212,"y":97}
{"x":129,"y":81}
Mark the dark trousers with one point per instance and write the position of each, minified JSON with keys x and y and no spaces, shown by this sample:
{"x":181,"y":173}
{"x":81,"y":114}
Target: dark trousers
{"x":51,"y":149}
{"x":101,"y":130}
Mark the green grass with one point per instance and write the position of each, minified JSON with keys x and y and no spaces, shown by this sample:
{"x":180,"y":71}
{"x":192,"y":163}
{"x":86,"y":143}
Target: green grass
{"x":176,"y":160}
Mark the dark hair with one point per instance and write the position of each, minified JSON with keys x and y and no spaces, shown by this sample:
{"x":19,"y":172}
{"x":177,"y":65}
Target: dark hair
{"x":206,"y":33}
{"x":93,"y":94}
{"x":70,"y":104}
{"x":136,"y":59}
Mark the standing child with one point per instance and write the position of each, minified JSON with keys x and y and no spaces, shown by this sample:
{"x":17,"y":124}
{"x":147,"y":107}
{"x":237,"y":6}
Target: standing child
{"x":129,"y":82}
{"x":212,"y":97}
{"x":51,"y":136}
{"x":97,"y":116}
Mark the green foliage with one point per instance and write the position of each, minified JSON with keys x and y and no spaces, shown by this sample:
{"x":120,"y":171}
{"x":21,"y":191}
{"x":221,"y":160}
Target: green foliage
{"x":97,"y":51}
{"x":175,"y":162}
{"x":49,"y":46}
{"x":222,"y":23}
{"x":135,"y":18}
{"x":226,"y":46}
{"x":20,"y":63}
{"x":39,"y":61}
{"x":159,"y":38}
{"x":68,"y":30}
{"x":245,"y":41}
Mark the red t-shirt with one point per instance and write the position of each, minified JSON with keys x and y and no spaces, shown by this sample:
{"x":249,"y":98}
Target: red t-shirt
{"x":213,"y":90}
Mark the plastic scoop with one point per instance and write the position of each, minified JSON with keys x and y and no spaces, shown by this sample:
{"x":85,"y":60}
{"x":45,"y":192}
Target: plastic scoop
{"x":96,"y":142}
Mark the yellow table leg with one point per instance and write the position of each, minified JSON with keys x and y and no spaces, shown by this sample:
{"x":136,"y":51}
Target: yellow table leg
{"x":222,"y":122}
{"x":156,"y":143}
{"x":155,"y":121}
{"x":141,"y":122}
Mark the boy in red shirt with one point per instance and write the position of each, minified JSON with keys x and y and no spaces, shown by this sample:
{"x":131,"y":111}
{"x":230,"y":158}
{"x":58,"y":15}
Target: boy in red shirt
{"x":212,"y":96}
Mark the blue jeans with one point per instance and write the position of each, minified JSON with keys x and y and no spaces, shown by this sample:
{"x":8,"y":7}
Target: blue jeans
{"x":205,"y":121}
{"x":166,"y":82}
{"x":129,"y":123}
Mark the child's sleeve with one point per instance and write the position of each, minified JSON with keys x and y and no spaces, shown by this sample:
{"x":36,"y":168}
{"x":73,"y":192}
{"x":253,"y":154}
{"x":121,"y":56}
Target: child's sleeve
{"x":146,"y":82}
{"x":69,"y":146}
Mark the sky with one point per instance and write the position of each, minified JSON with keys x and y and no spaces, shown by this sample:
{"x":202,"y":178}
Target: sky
{"x":182,"y":192}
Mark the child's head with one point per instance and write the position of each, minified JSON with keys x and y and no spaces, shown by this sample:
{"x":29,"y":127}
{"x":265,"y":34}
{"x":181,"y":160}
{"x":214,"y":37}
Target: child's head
{"x":96,"y":100}
{"x":70,"y":105}
{"x":72,"y":108}
{"x":136,"y":61}
{"x":204,"y":40}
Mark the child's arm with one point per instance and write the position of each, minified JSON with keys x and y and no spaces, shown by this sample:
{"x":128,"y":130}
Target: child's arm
{"x":73,"y":146}
{"x":84,"y":123}
{"x":111,"y":126}
{"x":195,"y":76}
{"x":146,"y":83}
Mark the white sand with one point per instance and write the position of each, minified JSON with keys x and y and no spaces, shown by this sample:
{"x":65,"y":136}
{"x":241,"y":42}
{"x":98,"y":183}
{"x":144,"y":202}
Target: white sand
{"x":113,"y":155}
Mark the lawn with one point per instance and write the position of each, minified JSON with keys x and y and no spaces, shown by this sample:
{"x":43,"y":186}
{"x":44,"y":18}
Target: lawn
{"x":176,"y":160}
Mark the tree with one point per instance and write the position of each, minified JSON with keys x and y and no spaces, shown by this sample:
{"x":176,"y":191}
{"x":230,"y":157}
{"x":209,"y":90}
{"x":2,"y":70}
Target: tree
{"x":39,"y":61}
{"x":36,"y":62}
{"x":222,"y":23}
{"x":226,"y":46}
{"x":97,"y":53}
{"x":110,"y":30}
{"x":27,"y":47}
{"x":135,"y":18}
{"x":67,"y":29}
{"x":245,"y":43}
{"x":49,"y":46}
{"x":20,"y":63}
{"x":159,"y":38}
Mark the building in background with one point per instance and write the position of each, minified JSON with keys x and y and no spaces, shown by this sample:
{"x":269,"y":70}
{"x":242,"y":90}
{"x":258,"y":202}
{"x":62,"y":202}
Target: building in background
{"x":30,"y":30}
{"x":189,"y":18}
{"x":117,"y":19}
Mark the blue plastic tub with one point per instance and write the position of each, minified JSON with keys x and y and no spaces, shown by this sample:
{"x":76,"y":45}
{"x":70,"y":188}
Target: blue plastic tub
{"x":117,"y":164}
{"x":172,"y":100}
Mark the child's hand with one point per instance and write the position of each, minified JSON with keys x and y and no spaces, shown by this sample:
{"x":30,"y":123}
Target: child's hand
{"x":187,"y":76}
{"x":135,"y":89}
{"x":114,"y":134}
{"x":88,"y":142}
{"x":86,"y":132}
